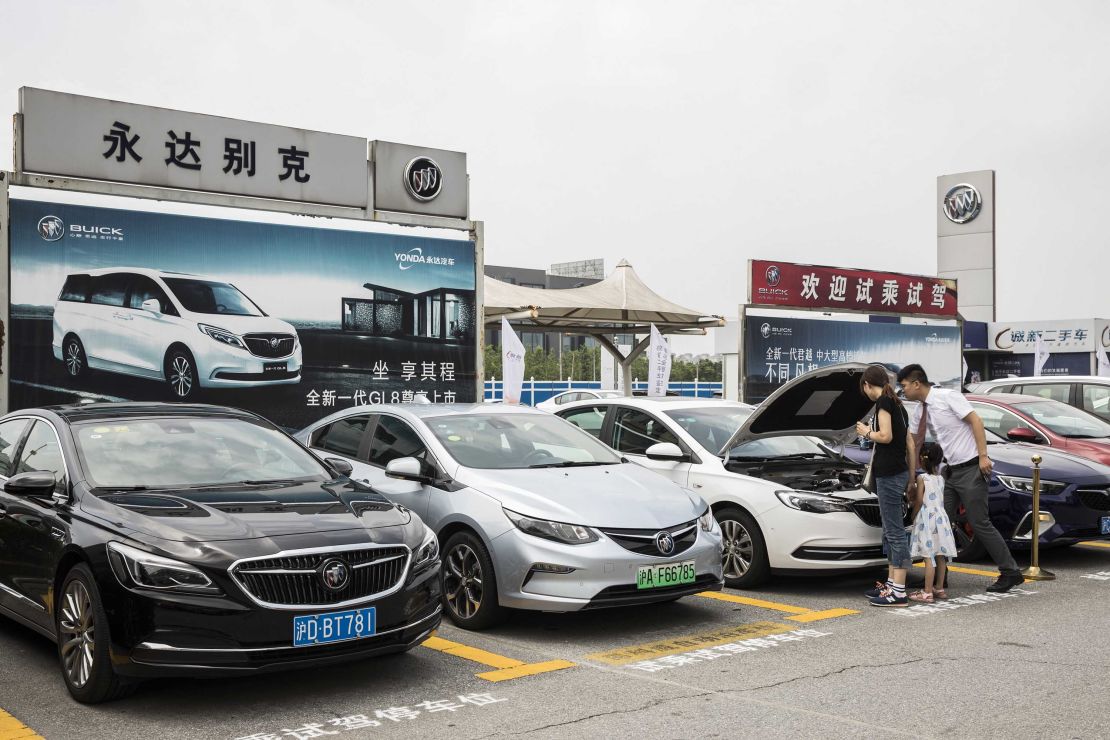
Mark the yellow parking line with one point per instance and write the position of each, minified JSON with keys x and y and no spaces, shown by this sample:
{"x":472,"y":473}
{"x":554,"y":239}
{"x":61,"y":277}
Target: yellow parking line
{"x":826,"y":614}
{"x":471,"y":653}
{"x":11,"y":729}
{"x":733,"y":598}
{"x":972,"y":571}
{"x":686,"y":643}
{"x":1096,"y":544}
{"x":530,"y":669}
{"x":507,"y":668}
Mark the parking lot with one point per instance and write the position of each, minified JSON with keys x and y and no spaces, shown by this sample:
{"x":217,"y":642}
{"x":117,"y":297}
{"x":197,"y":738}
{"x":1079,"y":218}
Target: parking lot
{"x":802,"y":656}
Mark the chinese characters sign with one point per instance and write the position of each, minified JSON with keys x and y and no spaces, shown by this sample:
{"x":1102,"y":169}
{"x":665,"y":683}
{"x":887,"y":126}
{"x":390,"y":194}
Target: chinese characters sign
{"x":1057,"y":336}
{"x":837,"y":289}
{"x":95,"y":139}
{"x":777,"y":349}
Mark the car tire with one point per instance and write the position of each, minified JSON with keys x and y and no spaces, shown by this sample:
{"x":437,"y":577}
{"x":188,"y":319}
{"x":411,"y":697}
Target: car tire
{"x":968,"y":548}
{"x":74,"y":358}
{"x":468,"y":573}
{"x":181,"y":374}
{"x":745,"y":549}
{"x":83,"y":641}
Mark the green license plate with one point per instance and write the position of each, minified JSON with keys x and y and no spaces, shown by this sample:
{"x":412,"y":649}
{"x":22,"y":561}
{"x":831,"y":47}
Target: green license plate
{"x":660,"y":576}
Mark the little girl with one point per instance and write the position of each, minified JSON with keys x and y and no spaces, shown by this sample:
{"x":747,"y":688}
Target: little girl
{"x":932,"y":531}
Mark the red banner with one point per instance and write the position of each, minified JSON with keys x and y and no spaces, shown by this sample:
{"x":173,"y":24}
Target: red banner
{"x":838,"y":289}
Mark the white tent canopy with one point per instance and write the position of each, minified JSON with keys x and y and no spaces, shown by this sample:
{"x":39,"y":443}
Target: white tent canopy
{"x":620,"y":304}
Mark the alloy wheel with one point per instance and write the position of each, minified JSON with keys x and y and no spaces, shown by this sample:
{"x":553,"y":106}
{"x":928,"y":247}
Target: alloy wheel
{"x":77,"y":634}
{"x":462,"y":581}
{"x":738,"y":548}
{"x":74,"y":359}
{"x":181,"y":376}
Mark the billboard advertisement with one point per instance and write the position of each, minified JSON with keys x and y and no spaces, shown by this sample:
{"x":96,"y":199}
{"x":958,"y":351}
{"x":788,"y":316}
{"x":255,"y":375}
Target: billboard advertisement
{"x":1021,"y":366}
{"x":291,"y":322}
{"x":778,"y":349}
{"x":786,"y":284}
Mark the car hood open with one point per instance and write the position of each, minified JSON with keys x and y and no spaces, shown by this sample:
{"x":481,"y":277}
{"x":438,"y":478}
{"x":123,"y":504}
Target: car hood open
{"x":824,"y":403}
{"x":625,"y":495}
{"x":214,"y":515}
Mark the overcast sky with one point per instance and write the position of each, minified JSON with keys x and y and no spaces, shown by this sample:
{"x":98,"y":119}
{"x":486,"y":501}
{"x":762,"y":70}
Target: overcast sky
{"x":685,"y":136}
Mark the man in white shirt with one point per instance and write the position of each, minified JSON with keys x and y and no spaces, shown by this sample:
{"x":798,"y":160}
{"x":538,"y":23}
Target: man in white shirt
{"x":959,"y":432}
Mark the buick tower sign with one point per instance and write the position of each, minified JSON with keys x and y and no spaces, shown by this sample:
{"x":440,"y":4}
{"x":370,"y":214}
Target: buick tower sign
{"x":962,"y":203}
{"x":423,"y":178}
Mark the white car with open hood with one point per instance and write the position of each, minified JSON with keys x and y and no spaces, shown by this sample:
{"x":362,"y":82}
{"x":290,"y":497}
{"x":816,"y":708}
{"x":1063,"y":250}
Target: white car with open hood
{"x":785,"y":502}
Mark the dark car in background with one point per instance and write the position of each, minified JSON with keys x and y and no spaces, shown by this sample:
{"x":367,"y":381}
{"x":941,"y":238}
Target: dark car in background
{"x":170,"y":540}
{"x":1075,"y":496}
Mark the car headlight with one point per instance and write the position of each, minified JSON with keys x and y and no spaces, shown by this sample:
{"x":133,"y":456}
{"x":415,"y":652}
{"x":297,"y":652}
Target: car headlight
{"x":706,"y":521}
{"x":569,"y":534}
{"x":427,"y":553}
{"x":139,"y":569}
{"x":223,"y":336}
{"x":814,"y":503}
{"x":1025,"y":485}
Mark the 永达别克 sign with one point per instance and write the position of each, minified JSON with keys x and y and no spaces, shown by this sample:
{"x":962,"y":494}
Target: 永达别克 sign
{"x":792,"y":285}
{"x":96,"y":139}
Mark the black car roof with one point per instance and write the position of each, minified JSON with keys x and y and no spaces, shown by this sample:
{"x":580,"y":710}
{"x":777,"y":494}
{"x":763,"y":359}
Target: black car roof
{"x":104,"y":411}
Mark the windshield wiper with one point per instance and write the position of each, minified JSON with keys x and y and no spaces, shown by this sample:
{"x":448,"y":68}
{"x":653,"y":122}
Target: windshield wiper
{"x":119,"y":489}
{"x":243,"y":484}
{"x":570,"y":464}
{"x":777,"y":458}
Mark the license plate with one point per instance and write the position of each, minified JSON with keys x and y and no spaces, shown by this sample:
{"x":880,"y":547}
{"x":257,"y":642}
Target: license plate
{"x":320,"y":629}
{"x":274,"y":367}
{"x":671,"y":574}
{"x":1104,"y":525}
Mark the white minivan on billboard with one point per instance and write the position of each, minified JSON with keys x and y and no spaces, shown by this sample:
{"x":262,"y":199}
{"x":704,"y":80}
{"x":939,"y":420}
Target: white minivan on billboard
{"x":189,"y":331}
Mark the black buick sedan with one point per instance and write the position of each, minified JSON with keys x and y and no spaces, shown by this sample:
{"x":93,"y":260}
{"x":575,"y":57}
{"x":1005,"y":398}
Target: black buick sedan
{"x":170,"y":540}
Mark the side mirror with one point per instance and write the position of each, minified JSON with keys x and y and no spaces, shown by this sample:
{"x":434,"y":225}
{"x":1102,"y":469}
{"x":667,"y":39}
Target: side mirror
{"x":666,"y":451}
{"x":152,"y":305}
{"x":340,"y":466}
{"x":34,"y":483}
{"x":1023,"y":434}
{"x":406,"y":468}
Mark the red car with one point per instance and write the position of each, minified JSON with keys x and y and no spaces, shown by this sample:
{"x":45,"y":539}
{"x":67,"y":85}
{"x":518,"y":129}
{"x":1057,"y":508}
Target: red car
{"x":1044,"y":421}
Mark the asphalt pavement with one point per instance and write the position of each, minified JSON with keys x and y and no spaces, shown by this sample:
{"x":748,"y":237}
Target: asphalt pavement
{"x":800,"y":657}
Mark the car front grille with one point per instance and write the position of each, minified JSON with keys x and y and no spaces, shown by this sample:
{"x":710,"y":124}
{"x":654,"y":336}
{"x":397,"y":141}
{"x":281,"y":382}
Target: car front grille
{"x":1095,"y":498}
{"x":296,"y":581}
{"x":642,"y":541}
{"x":868,"y":511}
{"x":270,"y":345}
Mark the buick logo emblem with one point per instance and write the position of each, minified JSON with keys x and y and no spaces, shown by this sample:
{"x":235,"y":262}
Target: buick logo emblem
{"x":773,"y":275}
{"x":274,"y":342}
{"x":51,"y":228}
{"x":765,"y":330}
{"x":664,"y":542}
{"x":335,"y":574}
{"x":423,"y":178}
{"x":962,"y":203}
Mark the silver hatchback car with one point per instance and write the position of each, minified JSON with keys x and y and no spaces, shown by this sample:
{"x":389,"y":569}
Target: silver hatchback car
{"x":531,"y":512}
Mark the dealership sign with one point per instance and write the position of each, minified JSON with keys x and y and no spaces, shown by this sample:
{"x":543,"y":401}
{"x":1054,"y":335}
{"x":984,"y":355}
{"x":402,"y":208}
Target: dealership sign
{"x":95,"y":139}
{"x":790,"y":285}
{"x":1057,"y":336}
{"x":411,"y":179}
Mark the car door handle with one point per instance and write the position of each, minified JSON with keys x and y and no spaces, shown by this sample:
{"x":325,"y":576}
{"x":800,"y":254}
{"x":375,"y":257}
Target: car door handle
{"x":121,"y":315}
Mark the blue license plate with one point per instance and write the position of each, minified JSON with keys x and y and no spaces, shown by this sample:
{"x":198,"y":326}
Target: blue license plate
{"x":321,"y":629}
{"x":1104,"y":525}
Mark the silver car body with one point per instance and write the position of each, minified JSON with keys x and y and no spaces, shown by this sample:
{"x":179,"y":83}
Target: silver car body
{"x":604,"y":498}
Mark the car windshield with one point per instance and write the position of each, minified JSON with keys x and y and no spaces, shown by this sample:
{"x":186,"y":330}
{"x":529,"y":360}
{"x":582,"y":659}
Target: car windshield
{"x":211,"y":297}
{"x":711,"y":426}
{"x":777,"y":447}
{"x":189,"y":452}
{"x":1065,"y":420}
{"x":512,"y":441}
